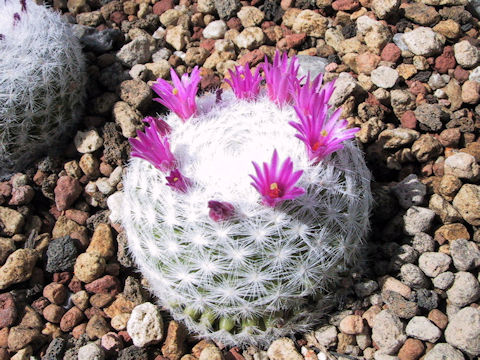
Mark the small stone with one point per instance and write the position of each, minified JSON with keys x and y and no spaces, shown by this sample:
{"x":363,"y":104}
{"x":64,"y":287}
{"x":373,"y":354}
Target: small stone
{"x":8,"y":311}
{"x":467,"y":202}
{"x":467,"y":55}
{"x":465,"y":289}
{"x":412,"y":349}
{"x":421,"y":328}
{"x":133,"y":353}
{"x":11,"y":221}
{"x":72,"y":318}
{"x":444,"y":280}
{"x":397,"y":138}
{"x":18,"y":267}
{"x":53,"y":313}
{"x":91,"y":351}
{"x":145,"y":325}
{"x":423,"y":41}
{"x":283,"y":349}
{"x":107,"y":284}
{"x":136,"y":93}
{"x":250,"y":38}
{"x":87,"y":141}
{"x":434,"y":263}
{"x":401,"y":101}
{"x":177,"y":37}
{"x":102,"y":243}
{"x":89,"y":267}
{"x":444,"y":209}
{"x":227,"y":8}
{"x":196,"y":55}
{"x":410,"y":191}
{"x":55,"y":293}
{"x":421,"y":14}
{"x":444,"y":351}
{"x":392,"y":284}
{"x":448,"y":188}
{"x":129,"y":119}
{"x":390,"y":52}
{"x":423,"y":243}
{"x":61,"y":254}
{"x":448,"y":28}
{"x":97,"y":326}
{"x":7,"y":246}
{"x":385,"y":8}
{"x":352,"y":325}
{"x":430,"y":116}
{"x":250,"y":16}
{"x":465,"y":254}
{"x":119,"y":322}
{"x":211,"y":352}
{"x":112,"y":343}
{"x":56,"y":349}
{"x":398,"y":305}
{"x":215,"y":30}
{"x":418,"y":219}
{"x":384,"y":77}
{"x":310,"y":23}
{"x":135,"y":52}
{"x":438,"y":318}
{"x":413,"y":276}
{"x":463,"y":166}
{"x":471,"y":92}
{"x":463,"y":331}
{"x":19,"y":337}
{"x":366,"y":288}
{"x":387,"y":332}
{"x":326,"y":335}
{"x":426,"y":148}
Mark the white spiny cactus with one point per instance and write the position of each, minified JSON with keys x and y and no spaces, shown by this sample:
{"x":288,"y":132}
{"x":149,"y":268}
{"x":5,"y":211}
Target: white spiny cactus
{"x":42,"y":82}
{"x":268,"y":271}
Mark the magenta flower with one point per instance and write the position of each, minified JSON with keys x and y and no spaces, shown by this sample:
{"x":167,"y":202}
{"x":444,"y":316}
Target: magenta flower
{"x":243,"y":83}
{"x":281,"y":78}
{"x":305,"y":96}
{"x":177,"y":181}
{"x":277,"y":186}
{"x":179,"y":98}
{"x":322,"y":134}
{"x":153,"y":147}
{"x":220,"y":210}
{"x":162,"y":126}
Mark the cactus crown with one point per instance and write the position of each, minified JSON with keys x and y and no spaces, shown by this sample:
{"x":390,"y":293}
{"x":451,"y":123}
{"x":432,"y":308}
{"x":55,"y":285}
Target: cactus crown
{"x":224,"y":256}
{"x":42,"y":80}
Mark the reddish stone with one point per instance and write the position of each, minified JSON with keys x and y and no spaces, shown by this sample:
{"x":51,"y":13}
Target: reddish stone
{"x":124,"y":334}
{"x":197,"y":33}
{"x":79,"y":216}
{"x":274,"y":34}
{"x":345,"y":5}
{"x":295,"y":40}
{"x":208,"y":44}
{"x":112,"y":343}
{"x":105,"y":285}
{"x":117,"y":17}
{"x":75,"y":285}
{"x":8,"y":311}
{"x":55,"y":293}
{"x":91,"y":312}
{"x":450,"y":137}
{"x":209,"y":80}
{"x":252,"y":57}
{"x":38,"y":178}
{"x":5,"y":189}
{"x":367,"y":62}
{"x":416,"y":87}
{"x":234,"y":23}
{"x":234,"y":354}
{"x":105,"y":169}
{"x":445,"y":61}
{"x":68,"y":189}
{"x":4,"y":337}
{"x":163,"y":5}
{"x":391,"y":53}
{"x":22,"y":195}
{"x":40,"y":304}
{"x":53,"y":313}
{"x":408,"y":120}
{"x":267,"y":24}
{"x":461,"y":74}
{"x":438,"y":318}
{"x":412,"y":349}
{"x":79,"y":330}
{"x":72,"y":318}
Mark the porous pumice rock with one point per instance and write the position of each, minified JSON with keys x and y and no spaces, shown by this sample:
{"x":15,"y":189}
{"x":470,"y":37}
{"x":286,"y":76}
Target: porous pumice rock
{"x":145,"y":325}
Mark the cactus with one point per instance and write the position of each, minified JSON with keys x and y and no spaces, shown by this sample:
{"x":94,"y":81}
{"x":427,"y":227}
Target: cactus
{"x":238,"y":263}
{"x":42,"y":82}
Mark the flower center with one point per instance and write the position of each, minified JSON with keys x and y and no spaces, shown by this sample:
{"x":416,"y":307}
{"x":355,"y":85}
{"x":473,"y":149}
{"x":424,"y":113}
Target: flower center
{"x":242,"y":76}
{"x":319,"y":143}
{"x":174,"y":91}
{"x":274,"y":191}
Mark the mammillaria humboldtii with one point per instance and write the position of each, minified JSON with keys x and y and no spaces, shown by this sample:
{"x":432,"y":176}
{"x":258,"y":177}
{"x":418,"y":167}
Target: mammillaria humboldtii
{"x":42,"y":82}
{"x":266,"y":209}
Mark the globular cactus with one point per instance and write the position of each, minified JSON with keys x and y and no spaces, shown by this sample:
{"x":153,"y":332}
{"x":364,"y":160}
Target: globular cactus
{"x":238,"y":263}
{"x":42,"y":82}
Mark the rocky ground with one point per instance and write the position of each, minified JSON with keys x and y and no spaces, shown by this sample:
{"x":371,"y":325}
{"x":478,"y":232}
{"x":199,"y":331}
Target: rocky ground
{"x":407,"y":76}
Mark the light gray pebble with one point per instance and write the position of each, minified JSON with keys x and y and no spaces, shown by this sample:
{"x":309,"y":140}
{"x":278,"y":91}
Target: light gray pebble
{"x":444,"y":280}
{"x":91,"y":351}
{"x":434,"y":263}
{"x":410,"y":191}
{"x":365,"y":288}
{"x":465,"y":254}
{"x":419,"y":327}
{"x":423,"y":242}
{"x":388,"y":332}
{"x":465,"y":289}
{"x":413,"y":276}
{"x":444,"y":351}
{"x":463,"y":331}
{"x":327,"y":335}
{"x":418,"y":219}
{"x":405,"y":254}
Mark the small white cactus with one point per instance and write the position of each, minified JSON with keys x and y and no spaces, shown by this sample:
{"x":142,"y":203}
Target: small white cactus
{"x":266,"y":271}
{"x":42,"y":82}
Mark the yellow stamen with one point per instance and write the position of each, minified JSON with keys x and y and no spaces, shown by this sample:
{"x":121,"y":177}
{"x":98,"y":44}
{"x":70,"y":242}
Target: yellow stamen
{"x":174,"y":91}
{"x":175,"y":179}
{"x":324,"y":133}
{"x":273,"y":186}
{"x":242,"y":76}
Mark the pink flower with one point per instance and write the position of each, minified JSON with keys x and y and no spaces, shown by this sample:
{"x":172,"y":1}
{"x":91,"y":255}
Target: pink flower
{"x":243,"y":83}
{"x":276,"y":186}
{"x":281,"y":78}
{"x":177,"y":181}
{"x":179,"y":98}
{"x":306,"y":96}
{"x":162,"y":126}
{"x":220,"y":210}
{"x":153,"y":147}
{"x":322,"y":134}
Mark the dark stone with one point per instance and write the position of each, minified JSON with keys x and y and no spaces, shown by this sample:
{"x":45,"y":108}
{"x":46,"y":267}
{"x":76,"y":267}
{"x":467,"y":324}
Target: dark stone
{"x":349,"y":30}
{"x":123,"y":255}
{"x":61,"y":255}
{"x":427,"y":299}
{"x":56,"y":349}
{"x":456,"y":13}
{"x":97,"y":41}
{"x":227,"y":8}
{"x":304,"y":4}
{"x":115,"y":146}
{"x":100,"y":217}
{"x":399,"y":306}
{"x":403,"y":24}
{"x":111,"y":76}
{"x":273,"y":11}
{"x":422,"y":76}
{"x":466,"y":27}
{"x":133,"y":353}
{"x":431,"y":117}
{"x":334,"y":59}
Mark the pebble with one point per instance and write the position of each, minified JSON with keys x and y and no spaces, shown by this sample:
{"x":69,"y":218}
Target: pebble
{"x":434,"y":263}
{"x":410,"y":191}
{"x":467,"y":55}
{"x":283,"y":349}
{"x":388,"y":332}
{"x":413,"y":276}
{"x":398,"y":305}
{"x":423,"y":242}
{"x":385,"y":8}
{"x":18,"y":267}
{"x":89,"y":267}
{"x":250,"y":38}
{"x":352,"y":325}
{"x":211,"y":352}
{"x":8,"y":310}
{"x":129,"y":119}
{"x":102,"y":242}
{"x":417,"y":219}
{"x":310,"y":23}
{"x":463,"y":166}
{"x":72,"y":318}
{"x":384,"y":77}
{"x":87,"y":141}
{"x":326,"y":335}
{"x":444,"y":351}
{"x":56,"y":349}
{"x":465,"y":254}
{"x":61,"y":254}
{"x":465,"y":289}
{"x":467,"y":202}
{"x":250,"y":16}
{"x":137,"y":51}
{"x":173,"y":346}
{"x":430,"y":116}
{"x":421,"y":328}
{"x":215,"y":30}
{"x":68,"y":189}
{"x":423,"y":41}
{"x":463,"y":331}
{"x":136,"y":93}
{"x":444,"y":280}
{"x":412,"y":349}
{"x":11,"y":221}
{"x":55,"y":293}
{"x":145,"y":325}
{"x":91,"y":351}
{"x":97,"y":326}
